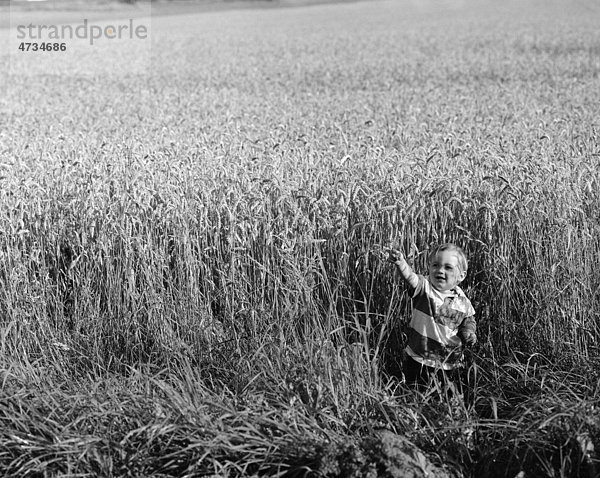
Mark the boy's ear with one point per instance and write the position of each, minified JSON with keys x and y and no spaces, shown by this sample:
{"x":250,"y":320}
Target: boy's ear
{"x":462,"y":276}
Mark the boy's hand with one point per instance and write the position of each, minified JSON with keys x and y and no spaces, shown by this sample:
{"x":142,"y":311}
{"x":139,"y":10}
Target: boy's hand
{"x":394,"y":255}
{"x":397,"y":258}
{"x":470,"y":339}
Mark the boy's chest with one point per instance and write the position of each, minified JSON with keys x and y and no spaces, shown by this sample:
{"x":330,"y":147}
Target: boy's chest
{"x":450,"y":311}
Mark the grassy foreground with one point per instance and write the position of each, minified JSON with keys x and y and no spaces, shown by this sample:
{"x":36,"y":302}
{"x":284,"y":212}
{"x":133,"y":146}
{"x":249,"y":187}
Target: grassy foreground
{"x":191,"y":277}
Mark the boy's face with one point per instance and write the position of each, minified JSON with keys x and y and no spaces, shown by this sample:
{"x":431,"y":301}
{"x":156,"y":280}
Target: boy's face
{"x":444,"y":271}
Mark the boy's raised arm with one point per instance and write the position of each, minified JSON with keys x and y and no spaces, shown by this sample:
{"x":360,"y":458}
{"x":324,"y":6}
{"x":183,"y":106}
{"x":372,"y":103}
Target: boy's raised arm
{"x":409,"y":276}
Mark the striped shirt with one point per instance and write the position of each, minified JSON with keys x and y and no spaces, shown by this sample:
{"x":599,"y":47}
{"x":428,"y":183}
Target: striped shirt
{"x":438,"y":321}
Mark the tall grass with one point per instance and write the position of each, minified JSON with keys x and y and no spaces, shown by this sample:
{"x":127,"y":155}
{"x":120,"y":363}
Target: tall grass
{"x":194,"y":282}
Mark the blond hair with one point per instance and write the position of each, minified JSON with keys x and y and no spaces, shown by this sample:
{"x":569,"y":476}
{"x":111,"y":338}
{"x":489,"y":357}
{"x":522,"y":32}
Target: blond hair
{"x":460,"y":254}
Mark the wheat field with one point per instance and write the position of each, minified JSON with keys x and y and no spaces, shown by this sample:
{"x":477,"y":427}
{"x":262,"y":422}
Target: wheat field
{"x":192,"y":280}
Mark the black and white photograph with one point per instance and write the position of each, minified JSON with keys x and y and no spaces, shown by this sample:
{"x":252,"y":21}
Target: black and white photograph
{"x":300,"y":238}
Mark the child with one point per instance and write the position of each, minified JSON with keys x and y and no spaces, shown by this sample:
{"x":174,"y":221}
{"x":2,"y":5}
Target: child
{"x":442,"y":317}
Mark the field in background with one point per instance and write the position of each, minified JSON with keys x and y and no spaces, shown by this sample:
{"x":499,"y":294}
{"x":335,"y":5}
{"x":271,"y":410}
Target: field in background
{"x":191,"y":268}
{"x":72,"y":11}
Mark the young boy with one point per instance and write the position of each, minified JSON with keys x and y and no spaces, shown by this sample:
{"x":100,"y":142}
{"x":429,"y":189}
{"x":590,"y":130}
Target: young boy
{"x":442,"y":318}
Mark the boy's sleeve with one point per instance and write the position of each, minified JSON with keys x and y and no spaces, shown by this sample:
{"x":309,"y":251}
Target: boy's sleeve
{"x":468,"y":325}
{"x":420,"y":286}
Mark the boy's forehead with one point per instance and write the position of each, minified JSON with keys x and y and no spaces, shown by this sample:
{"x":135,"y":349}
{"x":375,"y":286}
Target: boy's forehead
{"x":446,"y":256}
